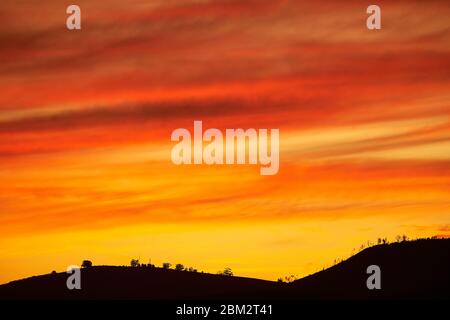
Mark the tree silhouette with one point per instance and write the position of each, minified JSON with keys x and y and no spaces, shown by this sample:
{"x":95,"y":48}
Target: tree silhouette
{"x":134,"y":262}
{"x":166,"y":265}
{"x":86,"y":264}
{"x":179,"y":267}
{"x":227,"y":272}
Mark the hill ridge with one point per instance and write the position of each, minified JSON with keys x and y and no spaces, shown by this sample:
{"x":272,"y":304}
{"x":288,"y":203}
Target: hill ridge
{"x":411,"y":269}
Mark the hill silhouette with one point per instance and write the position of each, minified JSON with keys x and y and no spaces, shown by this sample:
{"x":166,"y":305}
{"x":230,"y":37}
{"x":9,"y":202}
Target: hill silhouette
{"x":413,"y":269}
{"x":417,"y":269}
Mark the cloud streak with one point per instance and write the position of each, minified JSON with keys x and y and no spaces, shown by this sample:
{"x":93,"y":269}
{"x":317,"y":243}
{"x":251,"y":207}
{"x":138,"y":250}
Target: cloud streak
{"x":86,"y":117}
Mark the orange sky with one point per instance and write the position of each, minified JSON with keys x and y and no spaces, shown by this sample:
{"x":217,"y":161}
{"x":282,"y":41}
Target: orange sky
{"x":86,"y":118}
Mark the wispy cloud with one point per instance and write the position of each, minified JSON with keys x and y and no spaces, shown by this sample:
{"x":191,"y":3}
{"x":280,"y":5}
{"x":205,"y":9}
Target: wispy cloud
{"x":86,"y":117}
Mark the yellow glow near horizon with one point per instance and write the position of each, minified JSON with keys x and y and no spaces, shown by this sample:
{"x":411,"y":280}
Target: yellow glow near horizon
{"x":86,"y":119}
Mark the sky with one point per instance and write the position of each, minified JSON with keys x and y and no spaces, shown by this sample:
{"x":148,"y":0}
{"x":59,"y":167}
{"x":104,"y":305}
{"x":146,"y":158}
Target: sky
{"x":86,"y":118}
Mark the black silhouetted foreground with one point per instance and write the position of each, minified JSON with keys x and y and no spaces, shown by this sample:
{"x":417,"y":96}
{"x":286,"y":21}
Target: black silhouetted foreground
{"x":412,"y":269}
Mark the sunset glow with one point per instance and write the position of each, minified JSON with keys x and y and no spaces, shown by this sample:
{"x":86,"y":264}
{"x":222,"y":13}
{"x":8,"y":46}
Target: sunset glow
{"x":86,"y":119}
